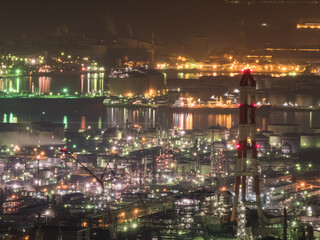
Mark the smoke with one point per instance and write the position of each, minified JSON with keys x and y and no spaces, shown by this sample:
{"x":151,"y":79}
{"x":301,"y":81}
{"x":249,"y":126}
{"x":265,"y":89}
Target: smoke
{"x":111,"y":26}
{"x":61,"y":30}
{"x":130,"y":29}
{"x":57,"y":32}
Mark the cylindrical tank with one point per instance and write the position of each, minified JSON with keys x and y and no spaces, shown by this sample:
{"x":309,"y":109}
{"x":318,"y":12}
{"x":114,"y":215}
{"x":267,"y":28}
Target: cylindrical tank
{"x":277,"y":99}
{"x":307,"y":141}
{"x":275,"y":140}
{"x":304,"y":100}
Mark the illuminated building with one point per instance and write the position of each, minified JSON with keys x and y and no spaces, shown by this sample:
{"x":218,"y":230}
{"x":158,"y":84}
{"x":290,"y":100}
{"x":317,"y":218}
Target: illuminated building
{"x":186,"y":209}
{"x":309,"y":24}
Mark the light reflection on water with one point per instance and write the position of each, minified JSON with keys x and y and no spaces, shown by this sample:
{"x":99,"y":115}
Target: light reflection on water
{"x":97,"y":116}
{"x":191,"y":121}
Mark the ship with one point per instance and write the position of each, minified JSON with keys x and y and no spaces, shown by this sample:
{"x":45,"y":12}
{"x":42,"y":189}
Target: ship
{"x":187,"y":104}
{"x":128,"y":102}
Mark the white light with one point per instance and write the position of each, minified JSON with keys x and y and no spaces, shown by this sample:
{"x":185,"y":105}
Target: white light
{"x":118,"y":186}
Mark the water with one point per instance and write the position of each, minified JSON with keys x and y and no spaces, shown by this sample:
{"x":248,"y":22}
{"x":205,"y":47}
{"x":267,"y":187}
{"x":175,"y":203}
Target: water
{"x":97,"y":116}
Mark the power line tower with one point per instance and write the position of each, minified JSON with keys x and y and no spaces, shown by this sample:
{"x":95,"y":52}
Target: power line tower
{"x":247,"y":168}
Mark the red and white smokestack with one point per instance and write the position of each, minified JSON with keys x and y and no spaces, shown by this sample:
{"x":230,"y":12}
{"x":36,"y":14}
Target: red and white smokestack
{"x":247,"y":142}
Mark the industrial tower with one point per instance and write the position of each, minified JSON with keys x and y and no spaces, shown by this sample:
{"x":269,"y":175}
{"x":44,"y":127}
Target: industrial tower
{"x":217,"y":160}
{"x":247,"y":169}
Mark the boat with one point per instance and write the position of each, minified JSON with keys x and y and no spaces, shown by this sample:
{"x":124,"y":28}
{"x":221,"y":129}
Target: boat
{"x":127,"y":102}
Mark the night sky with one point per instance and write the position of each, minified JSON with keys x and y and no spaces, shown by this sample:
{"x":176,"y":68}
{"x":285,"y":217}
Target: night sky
{"x":173,"y":21}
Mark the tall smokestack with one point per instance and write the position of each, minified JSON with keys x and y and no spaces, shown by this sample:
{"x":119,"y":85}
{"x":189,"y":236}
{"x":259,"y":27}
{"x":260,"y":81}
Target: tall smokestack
{"x":246,"y":167}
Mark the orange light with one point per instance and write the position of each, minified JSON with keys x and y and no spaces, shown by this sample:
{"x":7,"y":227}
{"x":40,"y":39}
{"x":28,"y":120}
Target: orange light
{"x":302,"y":184}
{"x":84,"y":224}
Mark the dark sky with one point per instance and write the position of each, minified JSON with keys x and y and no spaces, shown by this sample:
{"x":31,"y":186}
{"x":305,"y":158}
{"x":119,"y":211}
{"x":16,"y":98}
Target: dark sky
{"x":173,"y":20}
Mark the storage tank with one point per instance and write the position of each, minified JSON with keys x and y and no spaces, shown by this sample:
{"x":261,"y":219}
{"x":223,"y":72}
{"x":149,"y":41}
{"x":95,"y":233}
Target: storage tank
{"x":277,"y":99}
{"x":317,"y":141}
{"x":304,"y":100}
{"x":275,"y":141}
{"x":307,"y":141}
{"x":293,"y":140}
{"x":156,"y":79}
